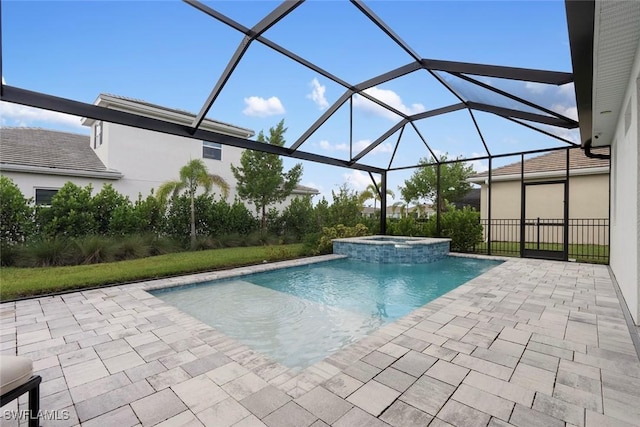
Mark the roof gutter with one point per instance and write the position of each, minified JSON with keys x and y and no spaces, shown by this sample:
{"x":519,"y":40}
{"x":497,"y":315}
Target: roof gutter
{"x":7,"y":167}
{"x":540,"y":175}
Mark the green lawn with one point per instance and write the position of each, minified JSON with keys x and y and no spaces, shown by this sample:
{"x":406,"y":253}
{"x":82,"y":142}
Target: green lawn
{"x":21,"y":282}
{"x":595,"y":254}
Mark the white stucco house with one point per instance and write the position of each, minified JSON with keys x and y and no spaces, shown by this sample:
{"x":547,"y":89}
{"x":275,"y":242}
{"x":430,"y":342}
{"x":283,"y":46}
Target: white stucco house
{"x":134,"y":161}
{"x":605,"y":45}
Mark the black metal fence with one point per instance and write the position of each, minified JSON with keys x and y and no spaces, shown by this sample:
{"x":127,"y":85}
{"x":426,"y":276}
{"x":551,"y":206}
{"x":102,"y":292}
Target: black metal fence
{"x":588,"y":239}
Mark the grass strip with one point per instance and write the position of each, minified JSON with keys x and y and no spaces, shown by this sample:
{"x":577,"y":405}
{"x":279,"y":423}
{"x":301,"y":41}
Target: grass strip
{"x":23,"y":282}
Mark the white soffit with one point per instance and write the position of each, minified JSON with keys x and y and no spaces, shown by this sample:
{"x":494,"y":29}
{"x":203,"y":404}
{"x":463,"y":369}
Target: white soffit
{"x":616,"y":35}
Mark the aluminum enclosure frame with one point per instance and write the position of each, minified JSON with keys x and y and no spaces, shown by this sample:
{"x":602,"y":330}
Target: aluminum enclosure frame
{"x":433,"y":67}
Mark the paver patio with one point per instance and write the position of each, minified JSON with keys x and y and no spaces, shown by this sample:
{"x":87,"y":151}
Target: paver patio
{"x":529,"y":343}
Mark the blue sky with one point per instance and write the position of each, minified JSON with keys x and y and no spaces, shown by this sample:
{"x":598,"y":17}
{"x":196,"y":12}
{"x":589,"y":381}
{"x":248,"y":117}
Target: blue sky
{"x":169,"y":53}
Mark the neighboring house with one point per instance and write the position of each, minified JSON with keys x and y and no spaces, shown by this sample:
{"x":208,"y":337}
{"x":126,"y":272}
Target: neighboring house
{"x":588,"y":195}
{"x":397,"y":211}
{"x":588,"y":187}
{"x":425,"y":210}
{"x":134,"y":161}
{"x":41,"y":161}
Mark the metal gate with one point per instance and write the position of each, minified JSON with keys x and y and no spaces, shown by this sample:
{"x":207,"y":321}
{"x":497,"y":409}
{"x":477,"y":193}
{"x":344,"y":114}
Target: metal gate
{"x":544,"y":226}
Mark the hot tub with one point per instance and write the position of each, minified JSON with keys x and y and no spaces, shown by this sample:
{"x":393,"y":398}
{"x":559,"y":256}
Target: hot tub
{"x":393,"y":249}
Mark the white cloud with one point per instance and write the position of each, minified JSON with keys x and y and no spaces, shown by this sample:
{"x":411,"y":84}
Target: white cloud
{"x":384,"y":147}
{"x":567,"y":90}
{"x":357,"y":180}
{"x":358,"y":146}
{"x":572,"y":135}
{"x":570,"y":112}
{"x":326,"y":145}
{"x":536,"y":88}
{"x":260,"y":107}
{"x":21,"y":115}
{"x":478,"y":165}
{"x":317,"y":94}
{"x":388,"y":97}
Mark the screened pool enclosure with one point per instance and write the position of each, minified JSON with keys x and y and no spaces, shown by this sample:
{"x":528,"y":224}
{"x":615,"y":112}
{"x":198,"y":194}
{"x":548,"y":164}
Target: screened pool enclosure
{"x":488,"y":102}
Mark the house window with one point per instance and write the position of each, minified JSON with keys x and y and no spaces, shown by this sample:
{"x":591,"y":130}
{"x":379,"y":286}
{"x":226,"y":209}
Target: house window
{"x":97,"y":137}
{"x":44,"y":196}
{"x":211,"y":150}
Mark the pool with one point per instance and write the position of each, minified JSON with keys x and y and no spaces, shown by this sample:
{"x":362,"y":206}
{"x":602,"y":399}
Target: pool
{"x":300,"y":315}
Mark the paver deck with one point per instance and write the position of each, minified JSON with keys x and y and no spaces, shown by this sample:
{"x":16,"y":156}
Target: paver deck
{"x":529,"y":343}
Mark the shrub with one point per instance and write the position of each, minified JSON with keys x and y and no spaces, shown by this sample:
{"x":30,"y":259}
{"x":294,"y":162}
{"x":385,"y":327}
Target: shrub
{"x":299,"y":218}
{"x":462,"y":226}
{"x":131,"y":247}
{"x":325,"y":245}
{"x":321,"y":215}
{"x":46,"y":253}
{"x":103,"y":206}
{"x":239,"y":219}
{"x":16,"y":214}
{"x":8,"y":254}
{"x":310,"y":243}
{"x":230,"y":240}
{"x":213,"y":218}
{"x":407,"y":226}
{"x":71,"y":213}
{"x":160,"y":245}
{"x":95,"y":249}
{"x":148,"y":214}
{"x":144,"y":216}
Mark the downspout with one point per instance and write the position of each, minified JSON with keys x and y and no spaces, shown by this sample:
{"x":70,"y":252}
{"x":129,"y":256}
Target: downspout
{"x":587,"y":151}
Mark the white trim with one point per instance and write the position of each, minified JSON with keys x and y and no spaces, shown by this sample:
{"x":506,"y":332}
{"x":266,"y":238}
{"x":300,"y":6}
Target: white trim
{"x":166,"y":114}
{"x":536,"y":175}
{"x":5,"y":167}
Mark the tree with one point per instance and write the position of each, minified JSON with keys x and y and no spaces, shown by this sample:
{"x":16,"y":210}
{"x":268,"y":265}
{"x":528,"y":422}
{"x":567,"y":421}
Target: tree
{"x":423,"y":184}
{"x":192,"y":176}
{"x":372,"y":193}
{"x":260,"y":177}
{"x":345,"y":208}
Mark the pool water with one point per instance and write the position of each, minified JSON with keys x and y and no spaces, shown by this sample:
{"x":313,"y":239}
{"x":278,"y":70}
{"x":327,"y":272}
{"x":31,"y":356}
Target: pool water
{"x":298,"y":316}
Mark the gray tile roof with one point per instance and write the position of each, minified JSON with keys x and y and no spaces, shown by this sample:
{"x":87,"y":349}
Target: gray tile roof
{"x":553,"y":161}
{"x":48,"y":148}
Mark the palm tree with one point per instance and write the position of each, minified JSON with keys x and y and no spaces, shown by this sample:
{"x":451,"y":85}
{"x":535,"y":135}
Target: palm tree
{"x":192,"y":175}
{"x":399,"y":205}
{"x":371,"y":193}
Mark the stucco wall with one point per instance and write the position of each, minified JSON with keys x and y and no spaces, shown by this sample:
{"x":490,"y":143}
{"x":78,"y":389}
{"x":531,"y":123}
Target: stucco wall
{"x":588,"y":199}
{"x":625,"y":198}
{"x":148,"y":159}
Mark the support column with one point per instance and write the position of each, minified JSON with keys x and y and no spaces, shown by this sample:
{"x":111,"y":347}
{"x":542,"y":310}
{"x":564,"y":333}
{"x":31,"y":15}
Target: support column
{"x":489,"y":209}
{"x":438,"y":207}
{"x":383,"y":203}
